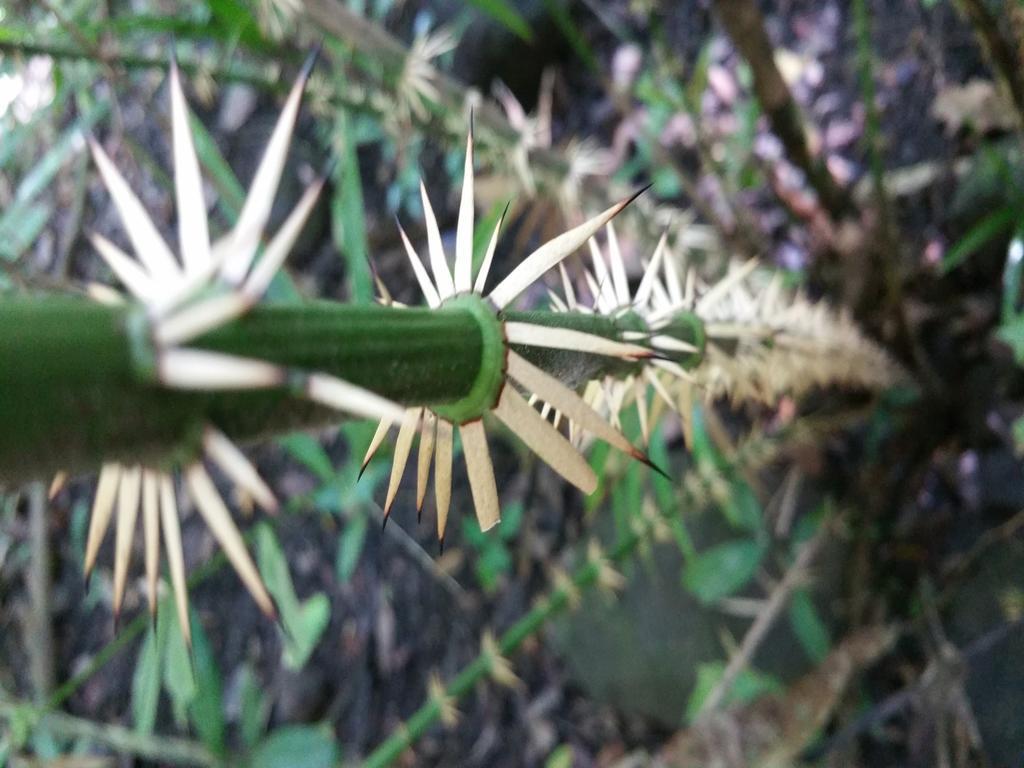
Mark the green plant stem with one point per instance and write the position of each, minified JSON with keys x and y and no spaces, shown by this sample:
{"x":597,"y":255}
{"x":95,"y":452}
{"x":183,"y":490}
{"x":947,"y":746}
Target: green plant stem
{"x":238,"y":72}
{"x":162,"y":749}
{"x":80,"y":389}
{"x":744,"y":23}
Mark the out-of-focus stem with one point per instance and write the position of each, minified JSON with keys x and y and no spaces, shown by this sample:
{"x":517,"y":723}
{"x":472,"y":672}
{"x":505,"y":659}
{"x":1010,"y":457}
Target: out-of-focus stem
{"x":744,"y":24}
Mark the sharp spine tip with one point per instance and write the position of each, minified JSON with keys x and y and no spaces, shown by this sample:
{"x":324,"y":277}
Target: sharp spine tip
{"x":440,"y":544}
{"x":643,"y":458}
{"x":387,"y":516}
{"x":310,"y":62}
{"x":274,"y":614}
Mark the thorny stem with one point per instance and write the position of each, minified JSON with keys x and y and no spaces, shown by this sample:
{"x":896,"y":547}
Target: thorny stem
{"x":755,"y":451}
{"x":79,"y":385}
{"x":365,"y":37}
{"x":556,"y":601}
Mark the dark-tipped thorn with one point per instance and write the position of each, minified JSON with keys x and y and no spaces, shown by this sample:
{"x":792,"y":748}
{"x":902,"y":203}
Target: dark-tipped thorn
{"x":625,"y":203}
{"x":361,"y":470}
{"x":310,"y":62}
{"x":281,"y":626}
{"x":117,"y":621}
{"x":88,"y":581}
{"x":152,"y":619}
{"x":643,"y":458}
{"x":387,"y":516}
{"x":419,"y":515}
{"x":440,"y":545}
{"x":471,"y":127}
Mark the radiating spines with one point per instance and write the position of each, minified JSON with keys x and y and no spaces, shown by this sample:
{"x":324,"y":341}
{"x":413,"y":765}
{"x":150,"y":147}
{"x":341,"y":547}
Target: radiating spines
{"x":403,"y":446}
{"x":551,"y":253}
{"x":128,"y":490}
{"x":147,"y":242}
{"x":193,"y":231}
{"x":245,"y":235}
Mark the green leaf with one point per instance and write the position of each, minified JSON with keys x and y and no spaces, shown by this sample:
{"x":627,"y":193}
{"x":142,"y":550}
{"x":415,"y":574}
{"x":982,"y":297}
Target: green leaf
{"x":146,"y":681}
{"x":748,"y":685}
{"x":296,"y":746}
{"x":207,"y":708}
{"x":254,"y":708}
{"x":348,"y":214}
{"x":506,"y":14}
{"x":808,"y":626}
{"x":560,"y":758}
{"x":511,"y":520}
{"x":977,"y":236}
{"x":721,"y":570}
{"x":482,"y":232}
{"x":1012,"y":276}
{"x":178,"y":674}
{"x":304,"y":622}
{"x":1012,"y":334}
{"x":230,"y":193}
{"x":742,"y":509}
{"x":22,"y":228}
{"x":23,"y":219}
{"x":350,"y":547}
{"x":307,"y":450}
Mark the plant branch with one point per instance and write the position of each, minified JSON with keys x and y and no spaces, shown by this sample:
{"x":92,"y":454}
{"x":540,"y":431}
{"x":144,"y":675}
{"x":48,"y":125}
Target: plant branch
{"x":745,"y":25}
{"x":162,"y":749}
{"x":757,"y":631}
{"x":756,"y":451}
{"x":80,"y":386}
{"x":997,"y":50}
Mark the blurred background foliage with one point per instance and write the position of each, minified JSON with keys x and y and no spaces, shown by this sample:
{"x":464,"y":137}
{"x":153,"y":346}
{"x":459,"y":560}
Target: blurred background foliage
{"x":835,"y":581}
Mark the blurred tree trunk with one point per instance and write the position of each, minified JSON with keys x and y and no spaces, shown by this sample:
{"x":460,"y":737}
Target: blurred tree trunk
{"x":744,"y":24}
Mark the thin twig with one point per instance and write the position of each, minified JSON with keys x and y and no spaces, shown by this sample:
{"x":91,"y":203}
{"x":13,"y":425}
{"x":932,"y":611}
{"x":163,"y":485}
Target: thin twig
{"x":778,"y":599}
{"x":161,"y":749}
{"x":38,"y":629}
{"x":745,"y":26}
